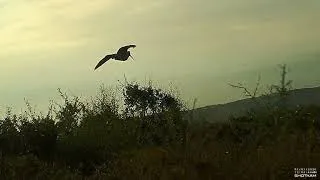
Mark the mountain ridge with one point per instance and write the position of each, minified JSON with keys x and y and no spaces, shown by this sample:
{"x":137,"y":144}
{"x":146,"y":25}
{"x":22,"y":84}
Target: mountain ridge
{"x":222,"y":112}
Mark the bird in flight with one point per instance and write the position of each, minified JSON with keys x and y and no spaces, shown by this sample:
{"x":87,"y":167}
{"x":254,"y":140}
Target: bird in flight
{"x":122,"y":55}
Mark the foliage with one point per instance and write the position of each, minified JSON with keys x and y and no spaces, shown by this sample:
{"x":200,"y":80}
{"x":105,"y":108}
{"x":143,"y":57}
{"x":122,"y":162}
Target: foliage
{"x":149,"y":139}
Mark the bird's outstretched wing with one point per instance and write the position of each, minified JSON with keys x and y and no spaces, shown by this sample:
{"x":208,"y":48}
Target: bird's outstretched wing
{"x":105,"y":59}
{"x":125,"y":48}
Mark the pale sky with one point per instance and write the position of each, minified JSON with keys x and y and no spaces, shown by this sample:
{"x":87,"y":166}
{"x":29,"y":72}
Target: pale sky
{"x":199,"y":46}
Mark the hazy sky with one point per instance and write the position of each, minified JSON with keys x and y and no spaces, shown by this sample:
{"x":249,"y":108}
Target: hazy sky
{"x":199,"y":46}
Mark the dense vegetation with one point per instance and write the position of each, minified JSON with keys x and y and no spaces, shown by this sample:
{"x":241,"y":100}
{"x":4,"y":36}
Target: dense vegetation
{"x":144,"y":135}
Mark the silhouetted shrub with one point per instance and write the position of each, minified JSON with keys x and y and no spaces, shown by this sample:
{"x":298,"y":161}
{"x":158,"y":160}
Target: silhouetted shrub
{"x":149,"y":139}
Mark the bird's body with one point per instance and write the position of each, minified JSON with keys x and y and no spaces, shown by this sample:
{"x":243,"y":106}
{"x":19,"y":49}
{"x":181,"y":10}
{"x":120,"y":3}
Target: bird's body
{"x":122,"y":55}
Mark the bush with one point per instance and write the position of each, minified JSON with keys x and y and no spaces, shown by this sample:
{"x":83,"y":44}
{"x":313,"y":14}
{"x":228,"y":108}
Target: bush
{"x":148,"y":139}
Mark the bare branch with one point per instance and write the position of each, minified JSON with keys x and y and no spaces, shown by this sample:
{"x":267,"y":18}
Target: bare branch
{"x":240,"y":86}
{"x":257,"y":86}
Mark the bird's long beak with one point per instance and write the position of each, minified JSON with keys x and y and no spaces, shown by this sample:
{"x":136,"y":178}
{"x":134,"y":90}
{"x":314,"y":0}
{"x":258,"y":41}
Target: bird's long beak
{"x":131,"y":57}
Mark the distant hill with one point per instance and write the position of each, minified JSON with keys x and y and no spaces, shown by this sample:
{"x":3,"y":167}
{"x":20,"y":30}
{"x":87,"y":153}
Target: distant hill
{"x":221,"y":112}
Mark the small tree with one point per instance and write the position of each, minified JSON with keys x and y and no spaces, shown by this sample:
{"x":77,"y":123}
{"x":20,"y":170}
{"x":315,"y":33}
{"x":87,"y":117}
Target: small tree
{"x":283,"y":88}
{"x":69,"y":114}
{"x":159,"y":113}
